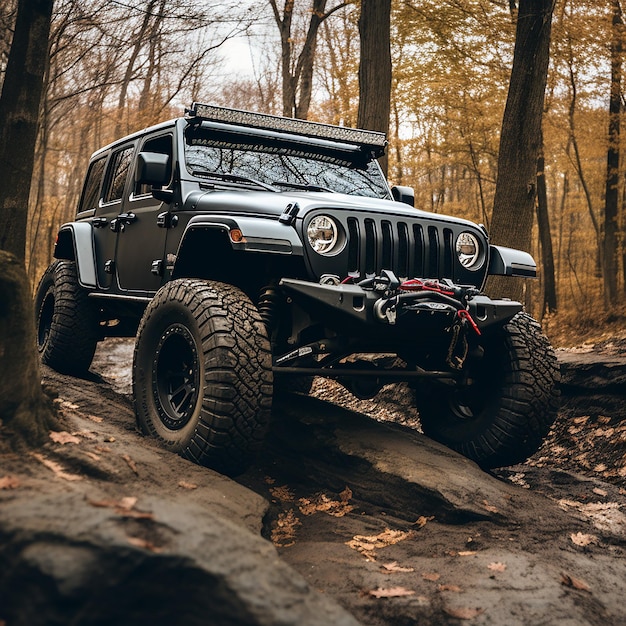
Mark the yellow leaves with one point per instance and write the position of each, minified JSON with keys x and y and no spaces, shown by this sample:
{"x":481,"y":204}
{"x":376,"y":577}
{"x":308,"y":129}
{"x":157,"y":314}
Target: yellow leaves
{"x":394,"y":568}
{"x":284,"y":494}
{"x":55,"y":467}
{"x":284,"y":533}
{"x":392,"y":592}
{"x":497,"y":567}
{"x":574,"y":583}
{"x":63,"y":437}
{"x":368,"y":544}
{"x":582,"y":539}
{"x":145,"y":544}
{"x":321,"y":502}
{"x":186,"y":485}
{"x":124,"y":507}
{"x":131,"y":464}
{"x":9,"y":482}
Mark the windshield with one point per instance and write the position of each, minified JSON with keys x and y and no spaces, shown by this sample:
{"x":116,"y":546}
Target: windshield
{"x":282,"y":168}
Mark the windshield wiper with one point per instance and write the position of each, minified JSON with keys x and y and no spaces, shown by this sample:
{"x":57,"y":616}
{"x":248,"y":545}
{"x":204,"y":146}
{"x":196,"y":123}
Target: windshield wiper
{"x":236,"y":178}
{"x":284,"y":183}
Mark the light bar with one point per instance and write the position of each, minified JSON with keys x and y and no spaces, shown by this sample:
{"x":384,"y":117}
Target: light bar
{"x":365,"y":138}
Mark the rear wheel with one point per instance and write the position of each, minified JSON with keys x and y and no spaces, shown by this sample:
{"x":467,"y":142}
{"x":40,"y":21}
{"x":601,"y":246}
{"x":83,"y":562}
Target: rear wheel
{"x":66,"y":320}
{"x":504,"y":410}
{"x":202,"y":373}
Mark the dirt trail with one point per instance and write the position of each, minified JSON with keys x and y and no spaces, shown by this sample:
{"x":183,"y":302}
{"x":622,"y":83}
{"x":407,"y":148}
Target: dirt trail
{"x":378,"y":519}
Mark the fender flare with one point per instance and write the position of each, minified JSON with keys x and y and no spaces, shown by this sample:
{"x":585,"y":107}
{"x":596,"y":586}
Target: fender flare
{"x":259,"y":234}
{"x":510,"y":262}
{"x":82,"y":247}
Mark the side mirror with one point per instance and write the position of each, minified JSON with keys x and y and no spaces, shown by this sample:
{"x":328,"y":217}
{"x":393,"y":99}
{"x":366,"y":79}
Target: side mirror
{"x":403,"y":194}
{"x":153,"y":168}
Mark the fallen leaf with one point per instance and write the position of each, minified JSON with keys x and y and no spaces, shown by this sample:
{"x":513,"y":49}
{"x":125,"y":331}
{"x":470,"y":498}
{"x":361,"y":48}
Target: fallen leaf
{"x":601,"y":467}
{"x":489,"y":507}
{"x":433,"y":577}
{"x":131,"y":463}
{"x":496,"y":567}
{"x":463,"y":612}
{"x":467,"y":553}
{"x":599,"y":492}
{"x":144,"y":543}
{"x":392,"y":592}
{"x":63,"y":437}
{"x":58,"y":469}
{"x":9,"y":482}
{"x":284,"y":494}
{"x":284,"y":533}
{"x":582,"y":539}
{"x":367,"y":545}
{"x":322,"y":503}
{"x":393,"y":567}
{"x":103,"y":449}
{"x":185,"y":485}
{"x":575,"y":583}
{"x":85,"y":434}
{"x":454,"y":588}
{"x":346,"y":494}
{"x":124,"y":507}
{"x":92,"y":455}
{"x":422,"y":521}
{"x":95,"y":418}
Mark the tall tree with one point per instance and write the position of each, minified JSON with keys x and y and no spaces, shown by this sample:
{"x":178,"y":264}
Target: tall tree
{"x":375,"y":67}
{"x":24,"y":409}
{"x":610,"y":239}
{"x":520,"y":139}
{"x":297,"y":70}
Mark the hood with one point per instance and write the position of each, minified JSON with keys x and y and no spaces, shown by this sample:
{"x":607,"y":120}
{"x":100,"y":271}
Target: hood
{"x":268,"y":203}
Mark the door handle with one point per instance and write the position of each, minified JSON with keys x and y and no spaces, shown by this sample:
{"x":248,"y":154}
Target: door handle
{"x":119,"y":223}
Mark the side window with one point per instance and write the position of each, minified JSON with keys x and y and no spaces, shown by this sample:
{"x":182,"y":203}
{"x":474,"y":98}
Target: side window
{"x":120,"y":164}
{"x":161,"y":145}
{"x":91,"y":189}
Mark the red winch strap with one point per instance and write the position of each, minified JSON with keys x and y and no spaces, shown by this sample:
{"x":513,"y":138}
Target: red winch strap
{"x":464,"y":314}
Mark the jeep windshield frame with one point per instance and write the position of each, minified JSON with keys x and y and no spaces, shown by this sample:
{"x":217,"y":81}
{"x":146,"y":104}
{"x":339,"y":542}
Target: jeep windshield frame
{"x":299,"y":162}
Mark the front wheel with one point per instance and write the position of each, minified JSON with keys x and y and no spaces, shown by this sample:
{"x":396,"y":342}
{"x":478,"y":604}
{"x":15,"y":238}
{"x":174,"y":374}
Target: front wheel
{"x":502,"y":412}
{"x":202,"y":373}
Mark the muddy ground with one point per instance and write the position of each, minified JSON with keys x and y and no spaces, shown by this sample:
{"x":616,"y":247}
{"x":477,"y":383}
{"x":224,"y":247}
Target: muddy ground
{"x":378,"y":520}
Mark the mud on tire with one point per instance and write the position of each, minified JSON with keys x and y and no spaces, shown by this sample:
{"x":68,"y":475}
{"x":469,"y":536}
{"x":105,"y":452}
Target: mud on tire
{"x":66,"y":320}
{"x":202,"y":373}
{"x":504,"y":415}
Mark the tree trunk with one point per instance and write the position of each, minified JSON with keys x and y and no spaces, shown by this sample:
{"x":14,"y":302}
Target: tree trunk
{"x":25,"y":411}
{"x":610,"y":239}
{"x":549,"y":302}
{"x":19,"y":111}
{"x":375,"y":67}
{"x":514,"y":201}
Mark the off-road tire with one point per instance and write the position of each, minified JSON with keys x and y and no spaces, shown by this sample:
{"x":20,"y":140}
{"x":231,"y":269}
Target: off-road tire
{"x":202,"y":373}
{"x":66,"y":320}
{"x":503,"y":417}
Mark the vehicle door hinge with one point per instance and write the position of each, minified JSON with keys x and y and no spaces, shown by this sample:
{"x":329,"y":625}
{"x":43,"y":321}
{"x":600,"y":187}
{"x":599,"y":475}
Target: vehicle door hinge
{"x":157,"y":267}
{"x":166,"y":220}
{"x":109,"y":266}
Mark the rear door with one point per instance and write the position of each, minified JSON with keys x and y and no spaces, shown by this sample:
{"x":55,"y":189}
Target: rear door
{"x":141,"y":235}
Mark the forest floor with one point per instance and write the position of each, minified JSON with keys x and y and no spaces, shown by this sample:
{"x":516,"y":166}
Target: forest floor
{"x":393,"y":535}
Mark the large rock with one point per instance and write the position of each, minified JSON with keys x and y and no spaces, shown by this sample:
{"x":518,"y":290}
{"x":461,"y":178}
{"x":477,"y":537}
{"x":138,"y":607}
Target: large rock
{"x":388,"y":465}
{"x":65,"y":561}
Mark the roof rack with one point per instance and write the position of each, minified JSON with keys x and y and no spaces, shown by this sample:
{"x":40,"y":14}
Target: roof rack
{"x":367,"y":139}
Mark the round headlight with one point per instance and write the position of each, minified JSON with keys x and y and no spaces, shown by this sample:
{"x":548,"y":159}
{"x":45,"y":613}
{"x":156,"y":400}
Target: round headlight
{"x":468,"y":250}
{"x":323,"y":234}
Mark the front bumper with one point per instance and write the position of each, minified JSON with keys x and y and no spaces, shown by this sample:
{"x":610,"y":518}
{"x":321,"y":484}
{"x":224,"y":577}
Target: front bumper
{"x":383,"y":305}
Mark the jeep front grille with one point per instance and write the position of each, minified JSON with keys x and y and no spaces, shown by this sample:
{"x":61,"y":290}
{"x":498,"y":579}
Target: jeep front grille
{"x":409,"y":249}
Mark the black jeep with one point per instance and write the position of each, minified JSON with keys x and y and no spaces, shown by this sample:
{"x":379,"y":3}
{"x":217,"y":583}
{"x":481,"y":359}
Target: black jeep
{"x":250,"y":253}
